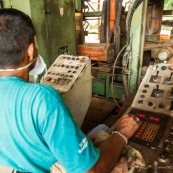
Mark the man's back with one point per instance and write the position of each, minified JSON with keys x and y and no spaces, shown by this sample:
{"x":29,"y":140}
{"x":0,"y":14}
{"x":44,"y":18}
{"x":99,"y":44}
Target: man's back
{"x":21,"y":140}
{"x":33,"y":119}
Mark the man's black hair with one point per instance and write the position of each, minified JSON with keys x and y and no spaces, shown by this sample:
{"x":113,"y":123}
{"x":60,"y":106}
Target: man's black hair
{"x":16,"y":33}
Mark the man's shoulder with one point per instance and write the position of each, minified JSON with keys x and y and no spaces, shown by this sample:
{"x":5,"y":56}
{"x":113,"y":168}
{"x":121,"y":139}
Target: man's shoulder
{"x":42,"y":90}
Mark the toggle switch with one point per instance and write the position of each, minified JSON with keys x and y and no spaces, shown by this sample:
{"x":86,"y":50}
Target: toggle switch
{"x":157,"y":90}
{"x":171,"y":107}
{"x":155,"y":78}
{"x":171,"y":94}
{"x":169,"y":79}
{"x":161,"y":105}
{"x":150,"y":104}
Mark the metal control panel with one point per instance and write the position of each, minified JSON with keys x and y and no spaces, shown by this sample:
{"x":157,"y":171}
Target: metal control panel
{"x":153,"y":105}
{"x":63,"y":73}
{"x":155,"y":93}
{"x":71,"y":77}
{"x":152,"y":127}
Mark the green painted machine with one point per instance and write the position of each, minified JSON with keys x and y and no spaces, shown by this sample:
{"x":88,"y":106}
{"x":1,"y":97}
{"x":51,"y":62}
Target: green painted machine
{"x":59,"y":27}
{"x":54,"y":21}
{"x":142,"y":46}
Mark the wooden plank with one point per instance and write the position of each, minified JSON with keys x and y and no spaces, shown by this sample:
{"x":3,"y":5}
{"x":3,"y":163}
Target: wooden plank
{"x":96,"y":51}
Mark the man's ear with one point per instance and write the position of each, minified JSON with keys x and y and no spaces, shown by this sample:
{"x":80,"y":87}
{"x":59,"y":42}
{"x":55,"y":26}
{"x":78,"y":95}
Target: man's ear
{"x":30,"y":52}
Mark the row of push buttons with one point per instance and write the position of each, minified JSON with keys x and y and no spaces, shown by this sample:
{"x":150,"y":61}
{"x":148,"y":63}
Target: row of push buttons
{"x":83,"y":59}
{"x":66,"y":66}
{"x":59,"y":81}
{"x":147,"y":131}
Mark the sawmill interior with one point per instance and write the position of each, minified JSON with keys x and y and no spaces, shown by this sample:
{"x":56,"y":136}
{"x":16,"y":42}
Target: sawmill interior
{"x":108,"y":58}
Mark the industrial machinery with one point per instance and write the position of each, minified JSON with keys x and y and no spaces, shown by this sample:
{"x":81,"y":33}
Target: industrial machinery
{"x":130,"y":58}
{"x":144,"y":71}
{"x":135,"y":40}
{"x":123,"y":34}
{"x":153,"y":105}
{"x":55,"y":35}
{"x":71,"y":77}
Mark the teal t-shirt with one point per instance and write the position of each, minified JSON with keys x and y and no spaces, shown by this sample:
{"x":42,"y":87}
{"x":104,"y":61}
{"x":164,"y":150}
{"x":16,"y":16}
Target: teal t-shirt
{"x":37,"y":130}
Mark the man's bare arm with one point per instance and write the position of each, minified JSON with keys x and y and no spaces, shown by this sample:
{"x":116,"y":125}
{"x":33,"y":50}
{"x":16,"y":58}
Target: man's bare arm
{"x":112,"y":148}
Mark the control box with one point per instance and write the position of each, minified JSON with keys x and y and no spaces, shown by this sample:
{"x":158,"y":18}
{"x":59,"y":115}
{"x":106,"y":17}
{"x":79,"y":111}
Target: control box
{"x":153,"y":105}
{"x":155,"y":93}
{"x":152,"y":127}
{"x":71,"y":77}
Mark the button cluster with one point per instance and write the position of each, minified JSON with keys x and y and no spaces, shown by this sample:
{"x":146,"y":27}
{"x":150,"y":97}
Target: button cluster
{"x":64,"y":72}
{"x":147,"y":131}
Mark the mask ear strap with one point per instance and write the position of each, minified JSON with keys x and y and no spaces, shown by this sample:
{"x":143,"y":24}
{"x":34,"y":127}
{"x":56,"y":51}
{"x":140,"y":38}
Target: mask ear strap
{"x":20,"y":68}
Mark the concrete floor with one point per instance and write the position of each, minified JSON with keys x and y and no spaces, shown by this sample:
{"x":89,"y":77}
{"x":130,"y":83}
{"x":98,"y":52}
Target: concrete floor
{"x":101,"y":111}
{"x":104,"y":111}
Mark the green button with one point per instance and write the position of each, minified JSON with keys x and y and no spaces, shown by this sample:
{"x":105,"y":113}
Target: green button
{"x":163,"y":67}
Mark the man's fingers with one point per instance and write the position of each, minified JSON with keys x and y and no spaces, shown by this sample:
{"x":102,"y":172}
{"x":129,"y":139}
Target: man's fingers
{"x":127,"y":124}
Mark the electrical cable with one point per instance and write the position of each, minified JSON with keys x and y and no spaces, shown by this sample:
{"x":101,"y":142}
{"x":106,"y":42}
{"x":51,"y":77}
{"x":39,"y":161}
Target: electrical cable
{"x":127,"y":46}
{"x":112,"y":88}
{"x":126,"y":56}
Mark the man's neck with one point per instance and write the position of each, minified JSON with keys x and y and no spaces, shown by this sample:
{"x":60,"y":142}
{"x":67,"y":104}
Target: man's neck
{"x":21,"y":74}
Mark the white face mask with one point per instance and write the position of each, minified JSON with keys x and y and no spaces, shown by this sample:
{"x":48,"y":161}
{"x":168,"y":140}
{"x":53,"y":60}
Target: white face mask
{"x":39,"y":67}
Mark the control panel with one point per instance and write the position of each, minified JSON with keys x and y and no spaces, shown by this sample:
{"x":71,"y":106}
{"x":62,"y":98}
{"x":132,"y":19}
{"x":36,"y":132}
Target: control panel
{"x":71,"y":77}
{"x":155,"y":93}
{"x":152,"y":127}
{"x":153,"y":105}
{"x":63,"y":73}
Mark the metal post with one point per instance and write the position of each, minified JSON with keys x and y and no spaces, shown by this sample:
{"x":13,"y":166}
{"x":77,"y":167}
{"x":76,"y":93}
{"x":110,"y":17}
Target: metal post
{"x":137,"y":39}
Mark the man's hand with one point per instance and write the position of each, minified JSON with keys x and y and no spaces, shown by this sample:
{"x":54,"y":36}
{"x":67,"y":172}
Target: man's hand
{"x":110,"y":150}
{"x":127,"y":125}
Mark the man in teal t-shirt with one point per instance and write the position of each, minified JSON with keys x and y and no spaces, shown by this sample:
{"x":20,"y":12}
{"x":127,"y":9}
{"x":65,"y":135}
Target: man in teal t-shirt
{"x":37,"y":128}
{"x":40,"y":130}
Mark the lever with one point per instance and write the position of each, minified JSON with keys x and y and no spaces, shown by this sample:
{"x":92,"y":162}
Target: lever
{"x":171,"y":108}
{"x":169,"y":79}
{"x":157,"y":90}
{"x":155,"y":166}
{"x":171,"y":92}
{"x":155,"y":77}
{"x":171,"y":75}
{"x":157,"y":74}
{"x":163,"y":158}
{"x":165,"y":145}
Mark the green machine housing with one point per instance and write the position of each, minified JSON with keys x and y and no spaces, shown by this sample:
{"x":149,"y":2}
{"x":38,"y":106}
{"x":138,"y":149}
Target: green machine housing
{"x":54,"y":21}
